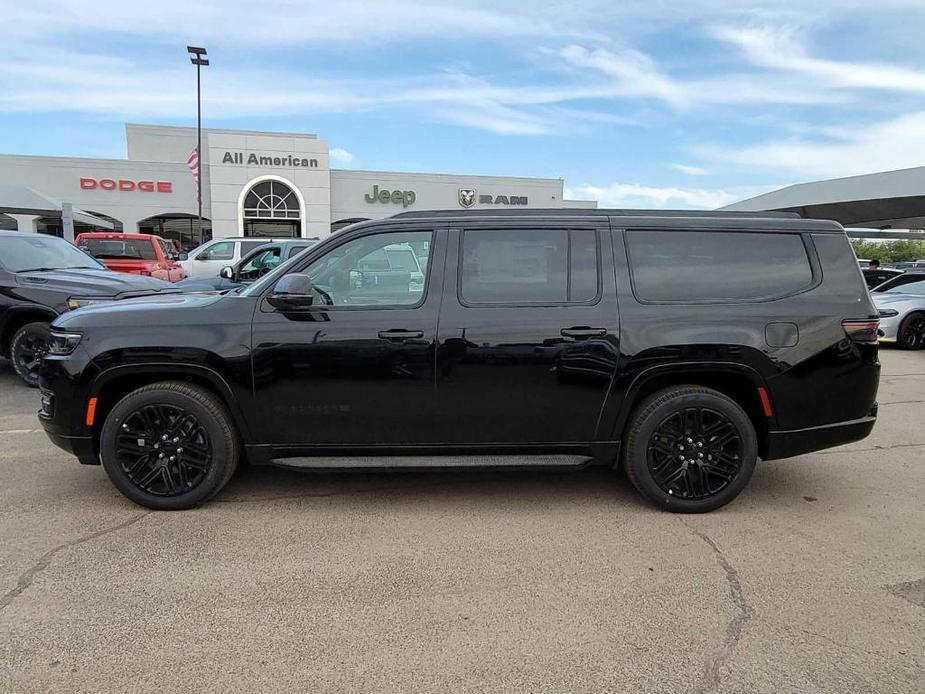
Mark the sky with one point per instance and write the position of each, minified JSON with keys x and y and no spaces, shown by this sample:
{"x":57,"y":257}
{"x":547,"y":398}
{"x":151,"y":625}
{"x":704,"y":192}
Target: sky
{"x":654,"y":103}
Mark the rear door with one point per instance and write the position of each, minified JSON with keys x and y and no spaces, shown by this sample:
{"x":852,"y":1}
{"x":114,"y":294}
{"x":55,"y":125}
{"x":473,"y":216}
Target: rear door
{"x":528,"y":339}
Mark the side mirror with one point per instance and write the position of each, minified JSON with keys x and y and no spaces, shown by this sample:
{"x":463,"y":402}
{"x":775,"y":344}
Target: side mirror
{"x":183,"y":256}
{"x":293,"y":291}
{"x":227,"y":272}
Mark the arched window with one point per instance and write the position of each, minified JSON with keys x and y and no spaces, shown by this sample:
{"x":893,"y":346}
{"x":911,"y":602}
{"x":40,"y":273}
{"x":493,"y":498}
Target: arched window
{"x":271,"y":200}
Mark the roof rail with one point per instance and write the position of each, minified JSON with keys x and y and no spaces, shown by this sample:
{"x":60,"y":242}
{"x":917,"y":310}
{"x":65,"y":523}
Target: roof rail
{"x":591,"y":212}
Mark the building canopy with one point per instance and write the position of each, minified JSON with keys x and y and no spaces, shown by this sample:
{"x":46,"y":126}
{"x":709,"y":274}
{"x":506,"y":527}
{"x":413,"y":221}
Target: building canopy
{"x":25,"y":200}
{"x":886,"y":200}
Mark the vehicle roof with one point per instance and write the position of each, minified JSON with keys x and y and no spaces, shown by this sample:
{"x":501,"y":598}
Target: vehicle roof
{"x":116,"y":235}
{"x":742,"y":221}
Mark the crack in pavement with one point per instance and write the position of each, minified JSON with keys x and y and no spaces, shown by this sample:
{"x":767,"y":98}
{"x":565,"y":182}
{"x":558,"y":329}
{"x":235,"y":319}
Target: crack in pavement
{"x":28,"y":576}
{"x":719,"y":657}
{"x":838,"y":451}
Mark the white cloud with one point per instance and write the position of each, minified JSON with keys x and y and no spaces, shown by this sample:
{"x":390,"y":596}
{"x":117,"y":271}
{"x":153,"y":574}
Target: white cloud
{"x":690,"y":170}
{"x":633,"y":195}
{"x":893,"y":144}
{"x":341,"y":156}
{"x":780,"y":48}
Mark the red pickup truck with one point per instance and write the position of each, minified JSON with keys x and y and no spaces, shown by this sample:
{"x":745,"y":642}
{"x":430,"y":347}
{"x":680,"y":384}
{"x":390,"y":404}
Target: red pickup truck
{"x":138,"y":254}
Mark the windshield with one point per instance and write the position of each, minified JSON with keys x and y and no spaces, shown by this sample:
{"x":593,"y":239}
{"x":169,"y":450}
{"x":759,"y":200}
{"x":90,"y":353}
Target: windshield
{"x":119,"y":249}
{"x":904,"y":284}
{"x":35,"y":252}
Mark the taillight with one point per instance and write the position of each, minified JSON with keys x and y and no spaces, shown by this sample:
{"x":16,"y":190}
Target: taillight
{"x":861,"y":330}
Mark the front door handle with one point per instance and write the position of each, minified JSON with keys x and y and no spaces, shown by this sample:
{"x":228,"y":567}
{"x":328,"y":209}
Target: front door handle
{"x":583,"y":331}
{"x":399,"y":334}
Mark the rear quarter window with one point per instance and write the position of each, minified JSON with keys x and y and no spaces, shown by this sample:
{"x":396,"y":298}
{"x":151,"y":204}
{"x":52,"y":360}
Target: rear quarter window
{"x":716,"y":266}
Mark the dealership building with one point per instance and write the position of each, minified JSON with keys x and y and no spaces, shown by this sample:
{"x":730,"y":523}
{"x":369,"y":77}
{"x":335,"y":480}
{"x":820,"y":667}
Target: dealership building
{"x":253,"y":184}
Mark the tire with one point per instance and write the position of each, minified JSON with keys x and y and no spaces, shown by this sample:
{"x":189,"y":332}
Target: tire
{"x":719,"y":460}
{"x":28,"y":346}
{"x":155,"y":422}
{"x":911,"y":333}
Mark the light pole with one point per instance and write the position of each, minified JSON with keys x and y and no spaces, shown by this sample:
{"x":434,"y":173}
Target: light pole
{"x":198,"y":58}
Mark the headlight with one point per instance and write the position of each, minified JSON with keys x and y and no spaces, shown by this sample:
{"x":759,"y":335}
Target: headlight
{"x":888,"y":312}
{"x":63,"y":343}
{"x":74,"y":302}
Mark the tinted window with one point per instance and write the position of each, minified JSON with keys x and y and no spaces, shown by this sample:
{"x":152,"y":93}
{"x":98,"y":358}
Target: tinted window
{"x":904,"y":284}
{"x":295,"y":250}
{"x":685,"y":266}
{"x":248,"y":246}
{"x":529,"y":266}
{"x":119,"y":249}
{"x":358,"y":273}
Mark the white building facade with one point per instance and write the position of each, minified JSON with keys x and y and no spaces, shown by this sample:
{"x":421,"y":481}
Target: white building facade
{"x":253,"y":184}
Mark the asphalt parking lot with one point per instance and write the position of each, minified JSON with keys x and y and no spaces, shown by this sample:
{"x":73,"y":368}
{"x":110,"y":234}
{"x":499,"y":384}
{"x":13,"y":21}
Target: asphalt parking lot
{"x":812,"y":581}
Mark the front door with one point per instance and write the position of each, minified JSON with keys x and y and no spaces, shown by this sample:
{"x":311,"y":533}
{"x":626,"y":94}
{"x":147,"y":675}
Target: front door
{"x":529,"y":334}
{"x":357,"y":367}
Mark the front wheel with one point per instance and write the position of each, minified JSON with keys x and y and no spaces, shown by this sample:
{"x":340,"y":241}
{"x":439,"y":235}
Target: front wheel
{"x":169,"y":446}
{"x":28,"y":346}
{"x":690,"y":449}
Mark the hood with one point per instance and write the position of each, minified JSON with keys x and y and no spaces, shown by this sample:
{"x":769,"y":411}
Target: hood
{"x":138,"y":311}
{"x":91,"y":283}
{"x":884,"y":300}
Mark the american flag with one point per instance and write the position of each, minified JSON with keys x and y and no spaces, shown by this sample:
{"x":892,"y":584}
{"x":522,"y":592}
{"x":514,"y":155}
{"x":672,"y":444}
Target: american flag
{"x":193,"y":164}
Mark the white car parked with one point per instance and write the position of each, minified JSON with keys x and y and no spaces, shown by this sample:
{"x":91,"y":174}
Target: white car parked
{"x":208,"y":259}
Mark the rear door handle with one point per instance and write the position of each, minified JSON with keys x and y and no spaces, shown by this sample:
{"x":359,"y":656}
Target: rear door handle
{"x":399,"y":334}
{"x":583,"y":331}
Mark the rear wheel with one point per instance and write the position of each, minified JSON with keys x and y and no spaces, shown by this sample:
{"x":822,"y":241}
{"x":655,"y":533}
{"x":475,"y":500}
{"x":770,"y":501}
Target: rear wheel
{"x":28,"y":346}
{"x":169,"y":446}
{"x":690,"y":449}
{"x":912,"y":332}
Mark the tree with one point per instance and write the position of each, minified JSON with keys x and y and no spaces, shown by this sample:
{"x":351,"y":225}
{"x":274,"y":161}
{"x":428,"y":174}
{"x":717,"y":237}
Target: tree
{"x":889,"y":251}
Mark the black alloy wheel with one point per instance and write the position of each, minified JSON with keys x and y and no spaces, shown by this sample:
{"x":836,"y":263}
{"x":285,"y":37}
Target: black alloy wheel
{"x":27,"y":348}
{"x":912,"y":332}
{"x":690,"y":449}
{"x":164,"y":450}
{"x":694,"y":453}
{"x":169,"y":445}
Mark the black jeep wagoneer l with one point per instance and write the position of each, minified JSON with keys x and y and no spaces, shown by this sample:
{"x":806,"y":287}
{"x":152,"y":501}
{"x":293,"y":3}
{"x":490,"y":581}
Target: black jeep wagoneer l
{"x":683,"y":346}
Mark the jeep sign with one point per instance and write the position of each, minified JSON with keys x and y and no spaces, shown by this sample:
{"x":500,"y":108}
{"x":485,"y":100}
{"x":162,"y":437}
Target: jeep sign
{"x":405,"y":197}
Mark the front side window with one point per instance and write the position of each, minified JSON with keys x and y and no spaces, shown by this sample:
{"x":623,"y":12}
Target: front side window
{"x":529,"y":266}
{"x":260,"y":263}
{"x":223,"y":250}
{"x":716,"y":266}
{"x":361,"y":272}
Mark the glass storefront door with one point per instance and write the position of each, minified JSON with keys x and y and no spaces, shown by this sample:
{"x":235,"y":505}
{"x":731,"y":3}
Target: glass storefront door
{"x":277,"y":228}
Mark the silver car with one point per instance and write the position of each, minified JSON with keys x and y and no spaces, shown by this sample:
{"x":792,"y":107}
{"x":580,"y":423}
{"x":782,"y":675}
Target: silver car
{"x":901,"y":302}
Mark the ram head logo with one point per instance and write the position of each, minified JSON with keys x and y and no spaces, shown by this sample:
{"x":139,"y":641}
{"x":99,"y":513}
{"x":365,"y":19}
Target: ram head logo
{"x":466,"y":197}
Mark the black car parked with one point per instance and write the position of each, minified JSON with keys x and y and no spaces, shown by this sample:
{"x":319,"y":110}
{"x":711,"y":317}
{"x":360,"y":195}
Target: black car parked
{"x":683,"y":346}
{"x":250,"y":268}
{"x":875,"y":278}
{"x":42,"y":277}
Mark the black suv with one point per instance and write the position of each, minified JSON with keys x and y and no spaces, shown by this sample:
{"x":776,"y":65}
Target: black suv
{"x":43,"y":276}
{"x":682,"y":346}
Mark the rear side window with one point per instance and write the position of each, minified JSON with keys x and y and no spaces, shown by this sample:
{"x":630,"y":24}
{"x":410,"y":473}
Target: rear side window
{"x":698,"y":266}
{"x":248,"y":246}
{"x":529,"y":266}
{"x":119,"y":249}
